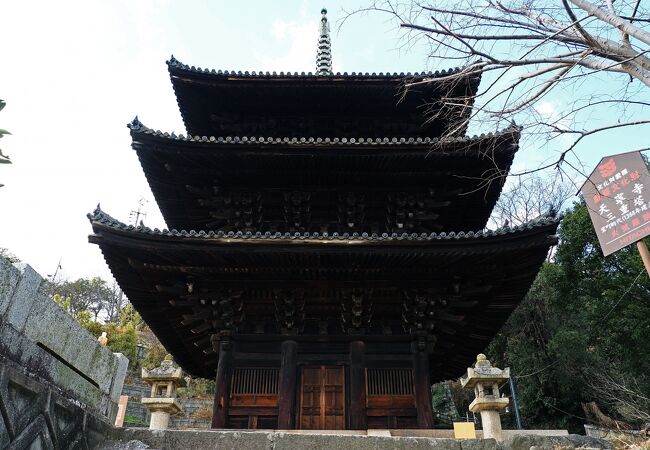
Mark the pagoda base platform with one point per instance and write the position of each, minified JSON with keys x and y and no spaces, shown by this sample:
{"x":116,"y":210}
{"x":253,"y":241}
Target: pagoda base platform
{"x":140,"y":438}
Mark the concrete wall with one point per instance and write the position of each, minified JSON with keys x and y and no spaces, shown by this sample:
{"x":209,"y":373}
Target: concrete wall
{"x":37,"y":335}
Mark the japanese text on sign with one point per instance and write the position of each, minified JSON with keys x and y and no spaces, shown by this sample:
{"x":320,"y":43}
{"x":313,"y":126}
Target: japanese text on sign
{"x":617,"y":197}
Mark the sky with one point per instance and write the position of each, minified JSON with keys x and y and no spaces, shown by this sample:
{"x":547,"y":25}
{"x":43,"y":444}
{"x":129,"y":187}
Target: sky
{"x":76,"y":72}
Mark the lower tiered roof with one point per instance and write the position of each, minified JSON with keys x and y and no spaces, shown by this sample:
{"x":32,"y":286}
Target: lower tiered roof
{"x":455,"y":289}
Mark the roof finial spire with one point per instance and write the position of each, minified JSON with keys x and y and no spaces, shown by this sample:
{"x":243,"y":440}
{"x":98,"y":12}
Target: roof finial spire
{"x":324,"y":54}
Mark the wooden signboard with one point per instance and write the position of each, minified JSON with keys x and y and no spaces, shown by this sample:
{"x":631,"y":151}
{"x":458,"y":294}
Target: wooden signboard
{"x":617,"y":194}
{"x":121,"y":411}
{"x":464,"y":430}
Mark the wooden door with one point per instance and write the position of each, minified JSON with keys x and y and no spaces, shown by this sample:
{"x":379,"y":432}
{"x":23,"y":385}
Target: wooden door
{"x":322,"y":399}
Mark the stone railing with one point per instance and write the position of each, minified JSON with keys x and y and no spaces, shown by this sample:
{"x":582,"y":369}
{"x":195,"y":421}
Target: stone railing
{"x":56,"y":380}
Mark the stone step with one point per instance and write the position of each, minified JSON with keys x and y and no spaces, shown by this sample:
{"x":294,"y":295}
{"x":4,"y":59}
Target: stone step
{"x":137,"y":439}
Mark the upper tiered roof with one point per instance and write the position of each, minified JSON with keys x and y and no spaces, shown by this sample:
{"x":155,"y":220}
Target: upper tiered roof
{"x":223,"y":103}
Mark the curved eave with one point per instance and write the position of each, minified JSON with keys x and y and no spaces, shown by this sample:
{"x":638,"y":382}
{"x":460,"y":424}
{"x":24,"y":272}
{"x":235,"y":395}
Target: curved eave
{"x":141,"y":134}
{"x":172,"y":163}
{"x":543,"y":226}
{"x":176,"y":67}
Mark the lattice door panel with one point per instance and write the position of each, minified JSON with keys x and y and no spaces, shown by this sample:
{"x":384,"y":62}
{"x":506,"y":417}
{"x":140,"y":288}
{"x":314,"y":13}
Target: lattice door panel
{"x":254,"y":398}
{"x":390,"y":398}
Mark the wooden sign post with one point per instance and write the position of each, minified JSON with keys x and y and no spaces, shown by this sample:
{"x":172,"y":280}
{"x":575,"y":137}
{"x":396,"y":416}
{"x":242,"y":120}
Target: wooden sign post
{"x":645,"y":255}
{"x":617,"y":194}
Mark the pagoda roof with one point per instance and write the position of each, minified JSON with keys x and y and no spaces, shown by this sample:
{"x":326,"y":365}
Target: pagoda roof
{"x":101,"y":218}
{"x":174,"y":64}
{"x":138,"y":127}
{"x":462,"y":176}
{"x":495,"y":269}
{"x":223,"y":103}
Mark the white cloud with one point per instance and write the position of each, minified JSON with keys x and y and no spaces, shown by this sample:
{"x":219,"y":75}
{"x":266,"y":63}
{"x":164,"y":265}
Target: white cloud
{"x":548,"y":110}
{"x":279,"y":29}
{"x":299,"y":52}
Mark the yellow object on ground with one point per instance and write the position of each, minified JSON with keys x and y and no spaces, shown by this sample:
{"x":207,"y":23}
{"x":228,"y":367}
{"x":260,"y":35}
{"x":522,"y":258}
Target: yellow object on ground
{"x":464,"y":430}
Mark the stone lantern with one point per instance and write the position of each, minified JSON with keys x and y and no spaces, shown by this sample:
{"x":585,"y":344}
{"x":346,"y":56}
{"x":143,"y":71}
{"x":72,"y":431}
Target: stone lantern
{"x":485,"y":380}
{"x":164,"y":380}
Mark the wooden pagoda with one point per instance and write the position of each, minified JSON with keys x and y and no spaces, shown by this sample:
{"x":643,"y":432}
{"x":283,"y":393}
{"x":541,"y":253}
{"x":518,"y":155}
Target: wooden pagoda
{"x":312,"y":264}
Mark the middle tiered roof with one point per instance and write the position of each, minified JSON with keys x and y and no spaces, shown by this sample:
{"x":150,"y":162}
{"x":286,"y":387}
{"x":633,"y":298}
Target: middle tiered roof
{"x":325,"y":184}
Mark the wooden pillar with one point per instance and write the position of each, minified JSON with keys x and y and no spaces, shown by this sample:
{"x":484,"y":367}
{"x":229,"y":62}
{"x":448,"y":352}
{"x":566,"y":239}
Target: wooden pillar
{"x":358,"y":414}
{"x":287,"y":387}
{"x":222,"y":392}
{"x":422,"y":386}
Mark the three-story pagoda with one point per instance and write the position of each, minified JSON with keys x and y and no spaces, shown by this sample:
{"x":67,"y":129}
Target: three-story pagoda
{"x":313,"y":264}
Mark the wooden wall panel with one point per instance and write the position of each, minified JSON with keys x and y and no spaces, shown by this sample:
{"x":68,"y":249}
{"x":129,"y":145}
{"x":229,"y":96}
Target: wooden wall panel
{"x":253,"y":402}
{"x":391,"y":399}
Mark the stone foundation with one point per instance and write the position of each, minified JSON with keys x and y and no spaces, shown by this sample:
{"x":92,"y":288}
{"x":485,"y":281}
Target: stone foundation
{"x":139,"y":438}
{"x":37,"y":414}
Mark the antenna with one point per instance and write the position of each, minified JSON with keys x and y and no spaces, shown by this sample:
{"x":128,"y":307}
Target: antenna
{"x":58,"y":267}
{"x":138,"y":215}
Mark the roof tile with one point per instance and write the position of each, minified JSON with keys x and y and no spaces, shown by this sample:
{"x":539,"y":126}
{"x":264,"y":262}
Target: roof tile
{"x":100,"y":217}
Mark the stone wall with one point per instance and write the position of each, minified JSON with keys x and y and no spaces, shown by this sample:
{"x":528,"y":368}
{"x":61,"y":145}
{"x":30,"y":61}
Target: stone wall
{"x":620,"y":438}
{"x":189,"y":417}
{"x":59,"y":387}
{"x":136,"y":414}
{"x":35,"y":411}
{"x":186,"y":419}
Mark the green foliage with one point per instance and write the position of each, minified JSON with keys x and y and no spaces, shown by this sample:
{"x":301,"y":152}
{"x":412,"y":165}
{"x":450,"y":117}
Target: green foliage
{"x":6,"y":254}
{"x":584,"y":314}
{"x":94,"y":328}
{"x":438,"y":396}
{"x":103,"y":300}
{"x":122,"y":340}
{"x":461,"y":397}
{"x":197,"y":388}
{"x":63,"y":302}
{"x":133,"y":419}
{"x":81,"y":293}
{"x":154,"y":356}
{"x":443,"y":404}
{"x":129,"y":316}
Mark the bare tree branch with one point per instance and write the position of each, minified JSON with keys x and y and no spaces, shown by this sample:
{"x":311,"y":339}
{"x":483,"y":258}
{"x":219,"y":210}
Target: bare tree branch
{"x":528,"y":52}
{"x":614,"y":20}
